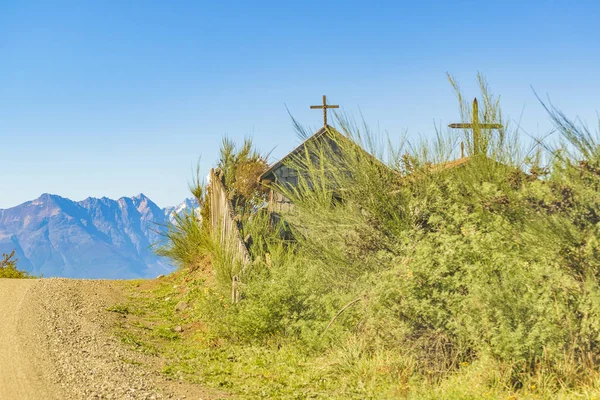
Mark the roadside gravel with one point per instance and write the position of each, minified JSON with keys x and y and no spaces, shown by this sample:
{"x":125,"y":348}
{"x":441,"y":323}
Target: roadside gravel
{"x":57,"y":342}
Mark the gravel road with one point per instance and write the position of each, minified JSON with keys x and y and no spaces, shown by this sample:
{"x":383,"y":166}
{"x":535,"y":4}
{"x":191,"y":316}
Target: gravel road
{"x":57,"y":342}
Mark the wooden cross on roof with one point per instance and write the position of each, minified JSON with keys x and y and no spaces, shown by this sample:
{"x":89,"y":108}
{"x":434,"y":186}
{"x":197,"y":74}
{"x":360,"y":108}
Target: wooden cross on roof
{"x":324,"y":107}
{"x":476,"y":126}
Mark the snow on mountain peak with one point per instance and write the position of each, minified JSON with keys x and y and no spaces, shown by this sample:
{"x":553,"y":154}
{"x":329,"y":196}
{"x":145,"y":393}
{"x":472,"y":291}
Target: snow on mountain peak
{"x":183,"y":208}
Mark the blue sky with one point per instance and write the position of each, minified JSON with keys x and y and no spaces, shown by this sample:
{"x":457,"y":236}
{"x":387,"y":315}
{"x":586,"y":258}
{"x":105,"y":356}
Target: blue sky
{"x":114,"y":98}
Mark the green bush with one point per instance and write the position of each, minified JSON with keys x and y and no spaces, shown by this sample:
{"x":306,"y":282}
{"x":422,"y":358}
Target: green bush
{"x":461,"y":263}
{"x":8,"y":267}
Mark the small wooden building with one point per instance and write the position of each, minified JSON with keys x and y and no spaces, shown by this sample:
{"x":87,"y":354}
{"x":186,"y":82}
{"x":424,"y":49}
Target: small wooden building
{"x":283,"y":173}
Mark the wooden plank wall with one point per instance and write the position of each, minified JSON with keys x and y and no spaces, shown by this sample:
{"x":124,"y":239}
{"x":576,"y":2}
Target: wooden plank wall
{"x":223,"y":222}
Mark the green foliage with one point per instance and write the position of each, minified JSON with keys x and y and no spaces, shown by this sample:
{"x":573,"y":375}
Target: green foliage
{"x":460,"y":263}
{"x":186,"y":242}
{"x":240,"y":168}
{"x":419,"y":276}
{"x":8,"y":267}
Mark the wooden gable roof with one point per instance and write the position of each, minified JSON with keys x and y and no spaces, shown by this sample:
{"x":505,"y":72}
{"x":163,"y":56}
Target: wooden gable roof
{"x":269,"y":175}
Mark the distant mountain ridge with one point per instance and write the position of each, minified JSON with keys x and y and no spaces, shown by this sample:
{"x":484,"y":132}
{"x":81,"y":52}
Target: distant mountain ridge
{"x":92,"y":238}
{"x":185,"y":207}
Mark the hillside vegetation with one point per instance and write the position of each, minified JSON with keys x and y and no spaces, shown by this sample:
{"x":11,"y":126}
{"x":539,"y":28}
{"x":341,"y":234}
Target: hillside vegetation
{"x":8,"y":267}
{"x":417,"y":277}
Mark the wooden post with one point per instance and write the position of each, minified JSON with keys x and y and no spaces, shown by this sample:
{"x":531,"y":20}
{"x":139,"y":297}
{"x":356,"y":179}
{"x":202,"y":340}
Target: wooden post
{"x":235,"y":290}
{"x":224,"y":224}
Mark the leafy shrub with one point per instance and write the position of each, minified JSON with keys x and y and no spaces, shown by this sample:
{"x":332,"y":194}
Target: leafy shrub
{"x":8,"y":267}
{"x":459,"y":262}
{"x":240,"y":168}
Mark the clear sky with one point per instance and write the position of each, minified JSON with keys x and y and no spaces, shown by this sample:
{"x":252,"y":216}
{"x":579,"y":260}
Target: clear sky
{"x":113,"y":98}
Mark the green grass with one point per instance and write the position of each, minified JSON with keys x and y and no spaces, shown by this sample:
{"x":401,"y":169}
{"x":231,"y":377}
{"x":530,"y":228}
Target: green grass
{"x":119,"y":309}
{"x":281,"y":369}
{"x":273,"y":371}
{"x":138,"y":344}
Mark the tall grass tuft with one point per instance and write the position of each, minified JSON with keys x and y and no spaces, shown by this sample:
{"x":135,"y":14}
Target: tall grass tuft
{"x":185,"y":241}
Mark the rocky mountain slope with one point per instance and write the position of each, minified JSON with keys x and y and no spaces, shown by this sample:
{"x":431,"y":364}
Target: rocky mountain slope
{"x":93,"y":238}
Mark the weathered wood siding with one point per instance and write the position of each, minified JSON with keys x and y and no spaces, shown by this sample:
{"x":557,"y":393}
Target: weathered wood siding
{"x":223,"y":221}
{"x":279,"y":203}
{"x":288,"y":175}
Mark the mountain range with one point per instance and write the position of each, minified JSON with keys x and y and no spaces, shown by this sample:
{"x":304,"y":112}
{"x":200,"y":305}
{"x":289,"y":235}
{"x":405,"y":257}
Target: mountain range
{"x":94,"y":238}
